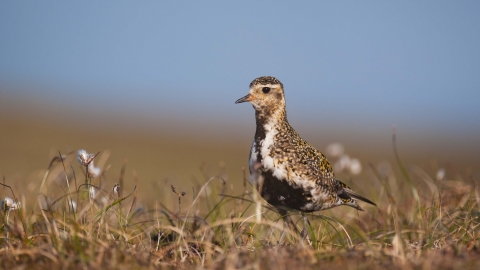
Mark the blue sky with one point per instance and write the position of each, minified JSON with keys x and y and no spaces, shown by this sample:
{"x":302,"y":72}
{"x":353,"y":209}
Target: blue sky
{"x":379,"y":63}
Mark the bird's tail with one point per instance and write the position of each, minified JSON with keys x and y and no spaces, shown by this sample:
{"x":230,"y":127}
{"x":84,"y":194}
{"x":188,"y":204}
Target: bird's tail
{"x":355,"y":195}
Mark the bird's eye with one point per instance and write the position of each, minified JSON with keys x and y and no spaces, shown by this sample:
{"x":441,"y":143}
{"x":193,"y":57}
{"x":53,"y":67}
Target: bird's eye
{"x":266,"y":90}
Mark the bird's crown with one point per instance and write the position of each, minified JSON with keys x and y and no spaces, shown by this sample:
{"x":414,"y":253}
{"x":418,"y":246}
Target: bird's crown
{"x":265,"y":80}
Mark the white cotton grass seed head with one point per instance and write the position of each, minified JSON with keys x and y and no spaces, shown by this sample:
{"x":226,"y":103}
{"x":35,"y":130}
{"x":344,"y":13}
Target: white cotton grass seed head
{"x":16,"y":206}
{"x":92,"y":192}
{"x":84,"y":158}
{"x":342,"y":163}
{"x":9,"y":204}
{"x":440,"y":174}
{"x":116,"y":188}
{"x":355,"y":166}
{"x":334,"y":150}
{"x":73,"y":205}
{"x":94,"y":171}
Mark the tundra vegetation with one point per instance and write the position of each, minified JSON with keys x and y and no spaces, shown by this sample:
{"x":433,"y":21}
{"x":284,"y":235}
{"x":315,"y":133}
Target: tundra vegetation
{"x":77,"y":217}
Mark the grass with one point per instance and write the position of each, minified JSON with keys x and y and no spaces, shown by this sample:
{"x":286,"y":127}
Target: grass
{"x":423,"y":221}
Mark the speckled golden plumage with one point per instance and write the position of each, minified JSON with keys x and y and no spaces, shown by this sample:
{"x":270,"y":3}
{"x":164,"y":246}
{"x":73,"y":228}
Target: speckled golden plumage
{"x":289,"y":172}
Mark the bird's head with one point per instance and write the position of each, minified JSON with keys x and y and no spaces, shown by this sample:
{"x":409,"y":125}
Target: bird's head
{"x":266,"y":95}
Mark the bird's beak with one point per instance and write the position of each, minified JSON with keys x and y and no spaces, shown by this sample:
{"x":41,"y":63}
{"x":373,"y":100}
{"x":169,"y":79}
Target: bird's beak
{"x":245,"y":99}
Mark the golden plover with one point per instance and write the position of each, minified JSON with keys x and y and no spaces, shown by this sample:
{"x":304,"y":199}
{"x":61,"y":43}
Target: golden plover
{"x":290,"y":174}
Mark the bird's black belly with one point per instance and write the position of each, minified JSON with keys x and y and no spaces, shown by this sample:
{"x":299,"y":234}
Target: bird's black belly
{"x":282,"y":195}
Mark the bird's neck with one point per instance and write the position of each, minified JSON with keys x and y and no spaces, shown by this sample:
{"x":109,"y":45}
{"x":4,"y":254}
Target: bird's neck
{"x":268,"y":119}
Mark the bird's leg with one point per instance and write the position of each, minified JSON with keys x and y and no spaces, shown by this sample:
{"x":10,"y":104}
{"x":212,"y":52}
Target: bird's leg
{"x":283,"y":232}
{"x":283,"y":213}
{"x":306,"y":227}
{"x":286,"y":222}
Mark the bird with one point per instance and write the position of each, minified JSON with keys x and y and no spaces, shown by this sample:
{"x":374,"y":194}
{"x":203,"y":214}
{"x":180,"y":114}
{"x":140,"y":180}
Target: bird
{"x":289,"y":173}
